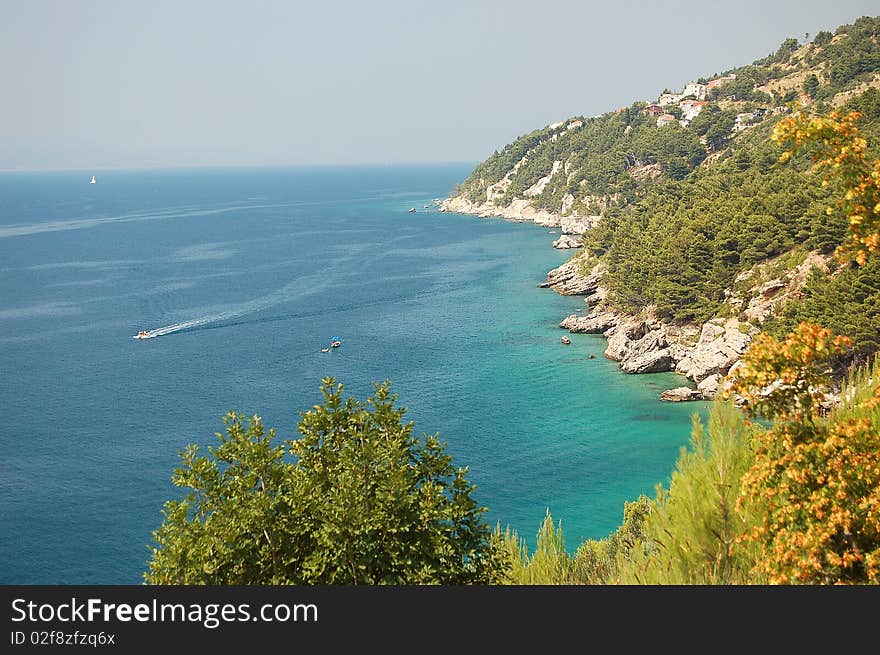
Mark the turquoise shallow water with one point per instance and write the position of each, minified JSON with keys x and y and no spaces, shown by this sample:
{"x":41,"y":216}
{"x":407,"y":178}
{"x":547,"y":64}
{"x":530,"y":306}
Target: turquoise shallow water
{"x":248,"y":273}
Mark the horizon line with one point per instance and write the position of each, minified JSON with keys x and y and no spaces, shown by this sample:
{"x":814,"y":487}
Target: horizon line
{"x":78,"y":169}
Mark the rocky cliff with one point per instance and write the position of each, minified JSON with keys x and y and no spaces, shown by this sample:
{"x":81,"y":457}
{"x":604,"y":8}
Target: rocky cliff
{"x":520,"y":210}
{"x":702,"y":352}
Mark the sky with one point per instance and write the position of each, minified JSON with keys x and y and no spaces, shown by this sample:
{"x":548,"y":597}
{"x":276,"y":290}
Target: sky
{"x":105,"y":84}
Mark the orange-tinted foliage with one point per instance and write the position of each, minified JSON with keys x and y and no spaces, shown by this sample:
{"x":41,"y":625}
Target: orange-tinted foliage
{"x":816,"y":481}
{"x":840,"y":152}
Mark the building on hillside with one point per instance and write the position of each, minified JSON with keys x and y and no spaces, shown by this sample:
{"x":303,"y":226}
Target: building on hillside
{"x":687,"y":105}
{"x":665,"y":119}
{"x":694,"y":90}
{"x":653,"y":110}
{"x":556,"y":125}
{"x":690,"y":109}
{"x":692,"y":106}
{"x":574,"y":124}
{"x":743,"y":120}
{"x":668,"y":99}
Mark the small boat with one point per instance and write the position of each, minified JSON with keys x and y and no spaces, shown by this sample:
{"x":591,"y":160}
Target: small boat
{"x":412,"y":210}
{"x":325,"y":350}
{"x":592,"y":356}
{"x":566,"y":340}
{"x":335,"y":342}
{"x":143,"y":334}
{"x":93,"y":181}
{"x":426,"y":206}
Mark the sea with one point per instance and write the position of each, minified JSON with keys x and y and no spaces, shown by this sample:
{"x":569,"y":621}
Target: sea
{"x":241,"y":277}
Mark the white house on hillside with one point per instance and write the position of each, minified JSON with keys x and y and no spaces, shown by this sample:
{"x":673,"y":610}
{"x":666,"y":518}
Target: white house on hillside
{"x":668,"y":99}
{"x":690,"y":109}
{"x":694,"y":90}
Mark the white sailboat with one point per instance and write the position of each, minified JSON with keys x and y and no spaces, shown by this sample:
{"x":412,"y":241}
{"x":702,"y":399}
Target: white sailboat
{"x":92,"y":181}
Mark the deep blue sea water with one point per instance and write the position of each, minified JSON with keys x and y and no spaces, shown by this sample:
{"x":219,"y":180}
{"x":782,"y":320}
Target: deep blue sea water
{"x":248,"y":273}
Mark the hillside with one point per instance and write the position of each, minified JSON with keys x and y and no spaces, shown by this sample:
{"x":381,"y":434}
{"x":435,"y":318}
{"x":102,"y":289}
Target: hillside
{"x":693,"y":236}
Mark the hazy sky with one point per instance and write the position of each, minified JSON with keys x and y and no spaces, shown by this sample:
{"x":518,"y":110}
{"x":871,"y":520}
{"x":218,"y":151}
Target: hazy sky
{"x":103,"y":84}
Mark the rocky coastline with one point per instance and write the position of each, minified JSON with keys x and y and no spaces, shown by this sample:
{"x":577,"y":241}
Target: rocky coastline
{"x":704,"y":353}
{"x":522,"y":211}
{"x":640,"y":343}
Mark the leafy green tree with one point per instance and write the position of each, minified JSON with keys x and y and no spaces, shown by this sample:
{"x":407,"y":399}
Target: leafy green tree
{"x":357,"y":499}
{"x":715,"y":124}
{"x":811,"y":85}
{"x":788,"y":46}
{"x":822,"y":38}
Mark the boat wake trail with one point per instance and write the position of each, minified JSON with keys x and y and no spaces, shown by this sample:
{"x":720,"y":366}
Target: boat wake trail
{"x":308,"y":283}
{"x":302,"y":289}
{"x":185,"y":325}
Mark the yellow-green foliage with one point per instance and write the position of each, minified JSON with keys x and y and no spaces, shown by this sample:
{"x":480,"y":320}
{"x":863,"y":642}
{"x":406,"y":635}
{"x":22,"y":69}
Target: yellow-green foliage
{"x":595,"y":562}
{"x":692,"y":526}
{"x":550,"y":563}
{"x":858,"y":394}
{"x":598,"y":561}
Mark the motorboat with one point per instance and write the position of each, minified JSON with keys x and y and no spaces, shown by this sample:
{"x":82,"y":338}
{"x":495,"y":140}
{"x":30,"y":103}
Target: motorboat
{"x":143,"y":334}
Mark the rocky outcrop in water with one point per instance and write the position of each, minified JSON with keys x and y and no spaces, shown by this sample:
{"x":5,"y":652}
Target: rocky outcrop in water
{"x":565,"y":241}
{"x":702,"y":353}
{"x":720,"y":345}
{"x":569,"y":280}
{"x":680,"y":394}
